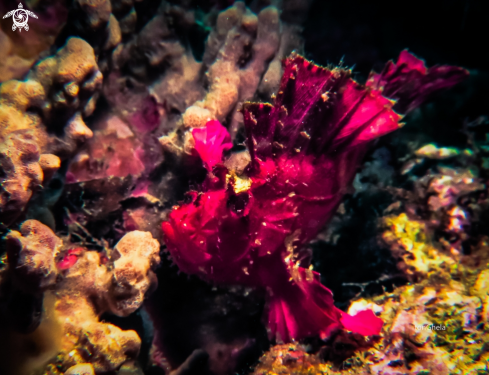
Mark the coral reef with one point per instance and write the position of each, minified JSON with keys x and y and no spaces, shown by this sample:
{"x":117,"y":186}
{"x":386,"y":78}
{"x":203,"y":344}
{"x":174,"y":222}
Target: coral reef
{"x":42,"y":119}
{"x":155,"y":84}
{"x":22,"y":173}
{"x":83,"y":284}
{"x":232,"y":80}
{"x":237,"y":55}
{"x":114,"y":154}
{"x":130,"y":126}
{"x":153,"y":80}
{"x":31,"y":253}
{"x":94,"y":22}
{"x":443,"y":208}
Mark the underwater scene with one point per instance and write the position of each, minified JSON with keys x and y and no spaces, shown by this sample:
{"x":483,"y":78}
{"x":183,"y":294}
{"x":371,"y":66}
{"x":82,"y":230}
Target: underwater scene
{"x":259,"y":187}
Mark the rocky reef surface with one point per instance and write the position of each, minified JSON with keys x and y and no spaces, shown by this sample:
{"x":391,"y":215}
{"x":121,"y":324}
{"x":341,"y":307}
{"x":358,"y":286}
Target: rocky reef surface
{"x":182,"y":192}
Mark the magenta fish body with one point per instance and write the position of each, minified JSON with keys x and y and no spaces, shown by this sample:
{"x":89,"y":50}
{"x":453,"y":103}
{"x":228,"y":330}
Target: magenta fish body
{"x":248,"y":229}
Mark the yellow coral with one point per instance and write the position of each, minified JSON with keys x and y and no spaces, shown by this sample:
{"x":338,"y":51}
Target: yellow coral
{"x":409,"y":240}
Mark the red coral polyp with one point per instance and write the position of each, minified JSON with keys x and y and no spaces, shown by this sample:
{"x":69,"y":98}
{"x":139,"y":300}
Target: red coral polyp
{"x":304,"y":149}
{"x":70,"y":257}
